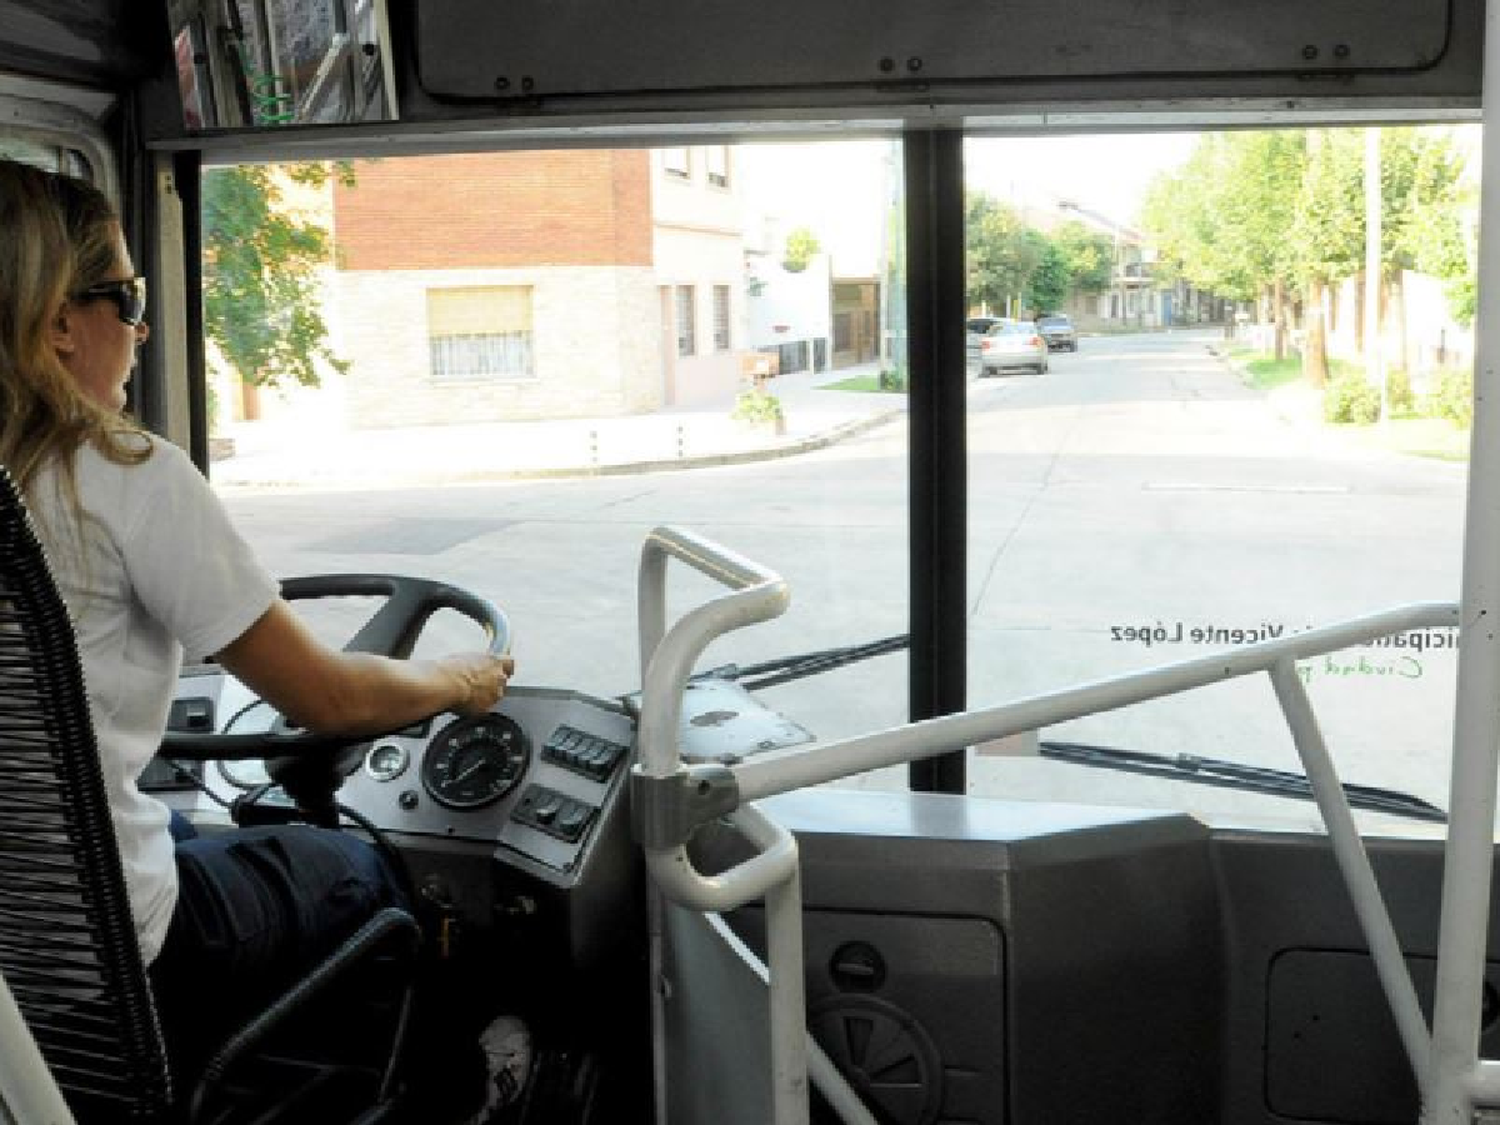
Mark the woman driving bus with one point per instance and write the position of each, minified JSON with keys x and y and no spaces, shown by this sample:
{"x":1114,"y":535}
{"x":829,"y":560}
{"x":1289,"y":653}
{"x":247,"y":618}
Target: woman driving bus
{"x":149,"y":566}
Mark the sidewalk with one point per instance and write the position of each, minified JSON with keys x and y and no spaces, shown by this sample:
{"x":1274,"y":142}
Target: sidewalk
{"x":1299,"y":404}
{"x":286,"y":454}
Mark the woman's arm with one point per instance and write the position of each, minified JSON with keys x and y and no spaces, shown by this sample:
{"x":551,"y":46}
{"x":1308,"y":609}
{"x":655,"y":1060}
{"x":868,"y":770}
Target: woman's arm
{"x":334,"y":692}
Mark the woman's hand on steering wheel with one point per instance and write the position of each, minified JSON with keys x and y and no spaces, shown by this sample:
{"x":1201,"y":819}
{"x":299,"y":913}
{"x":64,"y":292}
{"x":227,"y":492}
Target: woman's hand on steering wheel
{"x":484,"y":675}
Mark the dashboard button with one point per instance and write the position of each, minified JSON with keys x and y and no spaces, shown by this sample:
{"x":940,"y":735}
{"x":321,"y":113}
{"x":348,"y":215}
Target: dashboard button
{"x":587,"y":754}
{"x":573,"y":819}
{"x":553,"y":813}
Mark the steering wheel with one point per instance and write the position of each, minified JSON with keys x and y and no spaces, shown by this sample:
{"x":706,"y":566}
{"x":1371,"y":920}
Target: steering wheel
{"x":311,"y":766}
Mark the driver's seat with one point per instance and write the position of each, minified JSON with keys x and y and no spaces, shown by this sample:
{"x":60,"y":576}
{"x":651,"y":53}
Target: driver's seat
{"x":68,"y":949}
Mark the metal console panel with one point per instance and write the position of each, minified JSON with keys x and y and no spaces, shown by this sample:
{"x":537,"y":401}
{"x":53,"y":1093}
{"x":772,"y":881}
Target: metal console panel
{"x":986,"y":941}
{"x":1307,"y":1031}
{"x":566,"y":756}
{"x":518,"y":822}
{"x":714,"y":1002}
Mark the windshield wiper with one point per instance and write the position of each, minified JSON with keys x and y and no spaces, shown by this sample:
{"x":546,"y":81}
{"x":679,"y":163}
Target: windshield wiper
{"x":1236,"y":775}
{"x":1177,"y":767}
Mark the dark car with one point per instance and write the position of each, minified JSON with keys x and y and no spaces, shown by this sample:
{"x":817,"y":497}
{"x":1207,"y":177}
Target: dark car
{"x":1057,"y":330}
{"x":975,"y":328}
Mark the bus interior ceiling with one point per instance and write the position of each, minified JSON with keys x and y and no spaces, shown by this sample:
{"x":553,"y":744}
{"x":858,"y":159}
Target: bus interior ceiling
{"x":1020,"y":963}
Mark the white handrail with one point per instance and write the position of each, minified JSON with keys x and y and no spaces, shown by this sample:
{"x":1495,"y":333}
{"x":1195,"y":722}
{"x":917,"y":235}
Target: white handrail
{"x":795,"y":768}
{"x":667,"y":659}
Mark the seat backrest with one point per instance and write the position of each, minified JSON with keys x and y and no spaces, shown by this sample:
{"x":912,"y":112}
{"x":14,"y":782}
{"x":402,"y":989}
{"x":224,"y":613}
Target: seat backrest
{"x":68,"y":948}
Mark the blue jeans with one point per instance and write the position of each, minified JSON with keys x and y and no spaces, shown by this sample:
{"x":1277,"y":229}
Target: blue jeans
{"x":256,"y":909}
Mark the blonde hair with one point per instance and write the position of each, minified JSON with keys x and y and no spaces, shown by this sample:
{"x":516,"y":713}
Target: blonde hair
{"x":57,"y":237}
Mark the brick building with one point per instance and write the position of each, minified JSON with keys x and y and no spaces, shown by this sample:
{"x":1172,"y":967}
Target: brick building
{"x":537,"y":284}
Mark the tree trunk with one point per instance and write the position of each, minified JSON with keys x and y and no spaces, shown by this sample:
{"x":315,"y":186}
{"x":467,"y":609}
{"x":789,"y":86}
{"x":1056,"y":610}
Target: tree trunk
{"x":1315,"y":338}
{"x":1278,"y":318}
{"x":1393,"y":312}
{"x":249,"y":401}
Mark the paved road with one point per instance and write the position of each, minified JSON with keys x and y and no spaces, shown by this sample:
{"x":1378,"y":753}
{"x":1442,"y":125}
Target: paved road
{"x":1137,"y":486}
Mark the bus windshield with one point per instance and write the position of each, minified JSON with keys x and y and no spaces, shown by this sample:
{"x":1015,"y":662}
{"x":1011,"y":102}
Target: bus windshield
{"x":1194,"y":422}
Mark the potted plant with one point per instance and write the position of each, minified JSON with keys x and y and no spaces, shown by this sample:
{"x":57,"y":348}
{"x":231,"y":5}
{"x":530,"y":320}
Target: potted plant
{"x":759,"y":407}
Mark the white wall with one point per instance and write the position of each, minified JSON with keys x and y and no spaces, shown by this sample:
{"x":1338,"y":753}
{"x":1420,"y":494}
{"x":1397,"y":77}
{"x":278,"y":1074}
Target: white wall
{"x":698,"y":240}
{"x":1420,"y":334}
{"x":799,"y":304}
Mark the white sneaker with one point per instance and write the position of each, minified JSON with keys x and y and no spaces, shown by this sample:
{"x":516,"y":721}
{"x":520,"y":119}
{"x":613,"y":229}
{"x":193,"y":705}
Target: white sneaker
{"x":507,"y":1052}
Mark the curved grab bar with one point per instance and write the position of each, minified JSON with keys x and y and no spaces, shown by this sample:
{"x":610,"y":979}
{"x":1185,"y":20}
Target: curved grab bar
{"x":667,"y":658}
{"x":775,"y":861}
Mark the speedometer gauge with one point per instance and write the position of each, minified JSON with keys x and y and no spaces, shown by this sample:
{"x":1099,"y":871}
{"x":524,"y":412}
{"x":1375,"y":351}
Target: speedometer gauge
{"x":474,"y":762}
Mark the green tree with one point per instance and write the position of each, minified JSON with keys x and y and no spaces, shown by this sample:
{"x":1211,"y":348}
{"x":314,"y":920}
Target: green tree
{"x":1222,"y":218}
{"x":1002,"y":253}
{"x":1249,"y":209}
{"x":1052,"y":279}
{"x":1422,"y":176}
{"x":1087,"y":255}
{"x":1422,"y":200}
{"x":1327,"y":231}
{"x":261,"y":301}
{"x":801,"y":245}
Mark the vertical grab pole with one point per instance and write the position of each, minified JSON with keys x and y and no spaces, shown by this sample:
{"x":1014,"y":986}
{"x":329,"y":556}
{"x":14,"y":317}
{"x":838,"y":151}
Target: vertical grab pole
{"x":788,"y":1004}
{"x":1448,"y":1092}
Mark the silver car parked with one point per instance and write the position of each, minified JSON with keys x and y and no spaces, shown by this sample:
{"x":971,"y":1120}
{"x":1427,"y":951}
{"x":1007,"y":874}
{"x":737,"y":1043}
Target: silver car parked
{"x":1012,"y":345}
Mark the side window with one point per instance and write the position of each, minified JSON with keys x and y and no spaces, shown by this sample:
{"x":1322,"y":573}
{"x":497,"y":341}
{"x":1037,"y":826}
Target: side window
{"x":721,"y":318}
{"x":716,"y":159}
{"x":480,"y":333}
{"x":39,"y":155}
{"x":89,"y":159}
{"x":676,"y":162}
{"x":687,"y":343}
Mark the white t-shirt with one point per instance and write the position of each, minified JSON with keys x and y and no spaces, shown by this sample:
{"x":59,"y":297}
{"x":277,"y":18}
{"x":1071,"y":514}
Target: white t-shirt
{"x":161,"y":570}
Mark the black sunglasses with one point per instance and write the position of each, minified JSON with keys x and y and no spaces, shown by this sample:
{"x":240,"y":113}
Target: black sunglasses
{"x":129,"y":297}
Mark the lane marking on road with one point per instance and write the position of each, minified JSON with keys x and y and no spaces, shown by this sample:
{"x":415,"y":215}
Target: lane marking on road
{"x":1195,"y":486}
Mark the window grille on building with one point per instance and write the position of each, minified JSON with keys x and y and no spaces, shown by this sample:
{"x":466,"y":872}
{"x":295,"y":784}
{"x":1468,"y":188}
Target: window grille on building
{"x":480,"y":332}
{"x":686,"y":334}
{"x":792,"y":358}
{"x":721,"y":318}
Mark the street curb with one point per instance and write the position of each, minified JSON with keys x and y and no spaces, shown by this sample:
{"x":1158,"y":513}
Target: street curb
{"x":827,"y":438}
